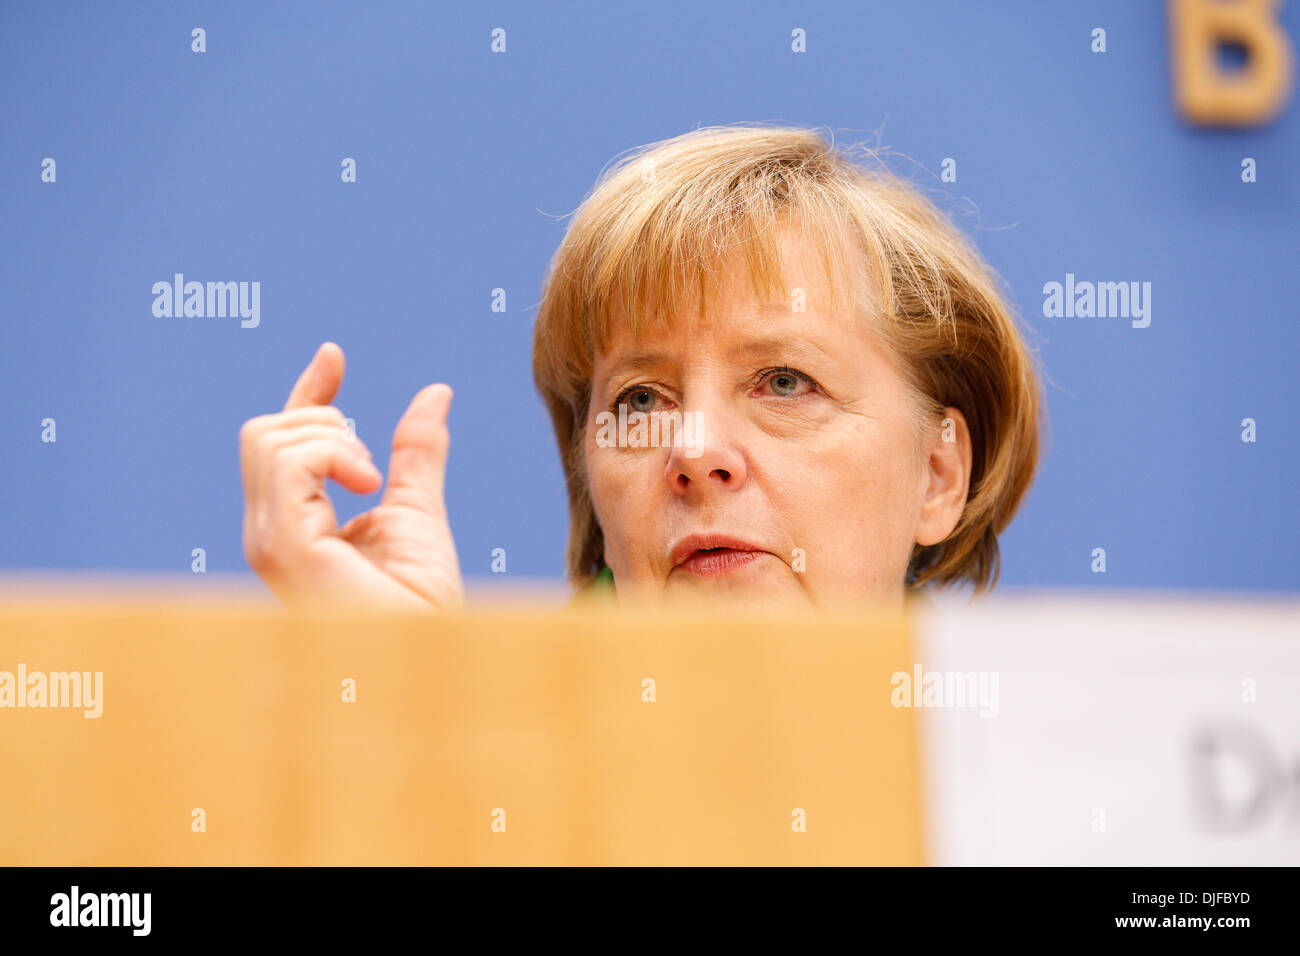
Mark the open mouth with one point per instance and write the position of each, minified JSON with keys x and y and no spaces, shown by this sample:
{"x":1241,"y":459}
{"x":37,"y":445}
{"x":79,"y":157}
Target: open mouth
{"x":712,"y":553}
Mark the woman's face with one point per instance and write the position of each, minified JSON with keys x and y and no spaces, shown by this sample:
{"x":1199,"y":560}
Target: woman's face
{"x":805,"y":464}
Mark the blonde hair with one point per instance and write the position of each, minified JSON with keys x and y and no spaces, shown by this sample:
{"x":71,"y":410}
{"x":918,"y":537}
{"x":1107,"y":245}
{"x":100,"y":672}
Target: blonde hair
{"x":648,"y":240}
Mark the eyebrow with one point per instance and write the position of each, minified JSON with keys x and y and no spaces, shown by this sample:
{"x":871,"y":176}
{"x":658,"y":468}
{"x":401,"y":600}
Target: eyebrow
{"x":637,"y":362}
{"x":797,"y":348}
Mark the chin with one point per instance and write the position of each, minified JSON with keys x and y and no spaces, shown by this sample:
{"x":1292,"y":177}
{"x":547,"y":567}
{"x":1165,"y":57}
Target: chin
{"x":758,"y":583}
{"x":744,"y":598}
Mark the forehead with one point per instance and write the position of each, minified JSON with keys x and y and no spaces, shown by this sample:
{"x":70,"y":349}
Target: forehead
{"x":731,"y":313}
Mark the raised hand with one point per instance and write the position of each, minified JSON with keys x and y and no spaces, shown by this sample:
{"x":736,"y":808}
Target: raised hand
{"x":398,"y":554}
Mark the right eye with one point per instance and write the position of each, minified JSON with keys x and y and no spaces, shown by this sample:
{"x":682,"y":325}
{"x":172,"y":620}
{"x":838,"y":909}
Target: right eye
{"x":638,"y":399}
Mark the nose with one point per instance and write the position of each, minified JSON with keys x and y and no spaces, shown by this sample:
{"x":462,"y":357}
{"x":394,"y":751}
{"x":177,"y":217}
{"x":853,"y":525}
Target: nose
{"x":709,"y":457}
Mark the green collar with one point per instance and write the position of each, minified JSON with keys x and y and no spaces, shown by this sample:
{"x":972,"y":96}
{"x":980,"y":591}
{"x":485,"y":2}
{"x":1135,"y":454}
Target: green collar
{"x":602,"y":585}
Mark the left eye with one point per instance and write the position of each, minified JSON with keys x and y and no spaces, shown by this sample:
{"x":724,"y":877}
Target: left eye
{"x":639,"y":397}
{"x":785,"y":382}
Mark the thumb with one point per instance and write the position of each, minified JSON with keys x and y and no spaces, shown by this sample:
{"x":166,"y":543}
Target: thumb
{"x":418,"y":466}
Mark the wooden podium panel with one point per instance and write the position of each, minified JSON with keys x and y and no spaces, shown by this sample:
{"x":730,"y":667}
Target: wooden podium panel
{"x":535,"y":721}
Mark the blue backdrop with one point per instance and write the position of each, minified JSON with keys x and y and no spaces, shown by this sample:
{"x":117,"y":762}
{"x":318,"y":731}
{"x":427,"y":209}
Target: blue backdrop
{"x":225,"y":166}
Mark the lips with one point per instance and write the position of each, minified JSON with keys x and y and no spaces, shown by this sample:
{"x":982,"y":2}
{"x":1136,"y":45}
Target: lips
{"x":693,"y":546}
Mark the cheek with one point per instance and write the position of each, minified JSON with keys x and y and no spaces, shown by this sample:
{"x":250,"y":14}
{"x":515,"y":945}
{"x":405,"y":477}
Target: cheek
{"x":622,"y":492}
{"x":851,"y":497}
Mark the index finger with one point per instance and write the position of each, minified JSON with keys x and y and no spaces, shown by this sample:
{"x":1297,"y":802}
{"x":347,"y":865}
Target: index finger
{"x":320,"y":380}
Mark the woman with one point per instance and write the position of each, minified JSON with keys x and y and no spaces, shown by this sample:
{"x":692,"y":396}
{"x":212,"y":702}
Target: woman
{"x":851,"y":412}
